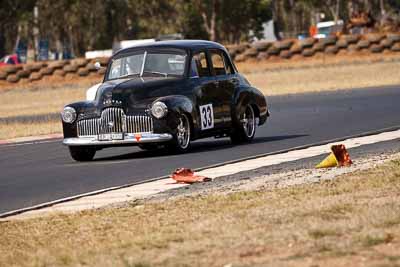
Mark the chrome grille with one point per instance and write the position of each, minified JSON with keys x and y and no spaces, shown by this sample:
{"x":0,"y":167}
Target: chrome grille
{"x":139,"y":124}
{"x":114,"y":120}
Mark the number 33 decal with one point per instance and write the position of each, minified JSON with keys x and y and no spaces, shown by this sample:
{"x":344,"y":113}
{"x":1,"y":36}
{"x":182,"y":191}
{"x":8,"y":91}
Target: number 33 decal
{"x":207,"y":117}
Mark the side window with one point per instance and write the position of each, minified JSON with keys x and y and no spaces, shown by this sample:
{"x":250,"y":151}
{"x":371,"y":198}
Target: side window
{"x":199,"y":66}
{"x":218,"y":63}
{"x":228,"y":65}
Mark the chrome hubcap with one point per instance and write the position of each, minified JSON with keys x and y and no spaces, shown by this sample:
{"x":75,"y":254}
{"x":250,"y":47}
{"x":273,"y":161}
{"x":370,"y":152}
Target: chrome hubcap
{"x":183,"y":132}
{"x":248,"y":121}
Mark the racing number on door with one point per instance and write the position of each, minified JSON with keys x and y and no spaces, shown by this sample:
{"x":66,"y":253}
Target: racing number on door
{"x":207,"y":117}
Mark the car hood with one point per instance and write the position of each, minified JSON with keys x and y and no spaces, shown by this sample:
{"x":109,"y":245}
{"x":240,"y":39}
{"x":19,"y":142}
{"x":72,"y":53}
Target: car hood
{"x":138,"y":92}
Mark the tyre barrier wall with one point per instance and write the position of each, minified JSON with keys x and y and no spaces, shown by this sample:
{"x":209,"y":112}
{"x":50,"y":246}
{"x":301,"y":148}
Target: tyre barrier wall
{"x":371,"y":43}
{"x":36,"y":71}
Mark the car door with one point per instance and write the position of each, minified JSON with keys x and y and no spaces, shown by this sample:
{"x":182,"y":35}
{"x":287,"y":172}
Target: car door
{"x":208,"y":103}
{"x":225,"y":83}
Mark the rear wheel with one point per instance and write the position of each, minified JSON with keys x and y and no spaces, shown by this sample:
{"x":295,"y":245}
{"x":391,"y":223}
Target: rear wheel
{"x":245,"y":130}
{"x":181,"y":140}
{"x":82,"y":153}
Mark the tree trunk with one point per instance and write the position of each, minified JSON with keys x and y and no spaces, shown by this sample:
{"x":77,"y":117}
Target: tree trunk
{"x":213,"y":22}
{"x":337,"y":12}
{"x":2,"y":42}
{"x":210,"y":22}
{"x":382,"y":5}
{"x":367,"y":5}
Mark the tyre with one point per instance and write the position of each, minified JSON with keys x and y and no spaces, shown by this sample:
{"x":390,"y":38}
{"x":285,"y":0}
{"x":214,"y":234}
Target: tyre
{"x":273,"y":51}
{"x":330,"y":40}
{"x":12,"y":78}
{"x":181,"y":140}
{"x":35,"y":76}
{"x":307,"y":43}
{"x":246,"y":129}
{"x":285,"y":54}
{"x":332,"y":50}
{"x":82,"y":153}
{"x":363,"y":44}
{"x":261,"y":46}
{"x":251,"y":52}
{"x":296,"y":49}
{"x":284,"y":45}
{"x":374,"y":38}
{"x":308,"y":52}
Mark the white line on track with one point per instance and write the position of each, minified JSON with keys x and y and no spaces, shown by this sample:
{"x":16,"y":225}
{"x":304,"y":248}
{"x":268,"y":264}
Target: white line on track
{"x":29,"y":143}
{"x":252,"y":164}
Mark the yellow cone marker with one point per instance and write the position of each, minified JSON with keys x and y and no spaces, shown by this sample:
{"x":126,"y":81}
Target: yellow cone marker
{"x":338,"y":157}
{"x":328,"y":162}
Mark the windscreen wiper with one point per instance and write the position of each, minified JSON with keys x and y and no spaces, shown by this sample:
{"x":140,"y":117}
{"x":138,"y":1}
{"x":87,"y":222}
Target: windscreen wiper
{"x":156,"y":72}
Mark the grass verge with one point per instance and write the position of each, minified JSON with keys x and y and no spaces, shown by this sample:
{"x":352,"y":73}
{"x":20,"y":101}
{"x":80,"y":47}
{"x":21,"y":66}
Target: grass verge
{"x":31,"y":102}
{"x":16,"y":129}
{"x":329,"y":78}
{"x":351,"y":221}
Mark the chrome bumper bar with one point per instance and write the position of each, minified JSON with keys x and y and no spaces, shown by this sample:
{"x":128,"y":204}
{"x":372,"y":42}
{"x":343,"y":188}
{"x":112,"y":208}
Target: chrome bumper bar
{"x":128,"y":139}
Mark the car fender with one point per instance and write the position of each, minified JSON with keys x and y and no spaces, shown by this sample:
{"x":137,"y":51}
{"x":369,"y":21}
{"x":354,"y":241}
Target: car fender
{"x":82,"y":108}
{"x":249,"y":95}
{"x":92,"y":92}
{"x":177,"y":104}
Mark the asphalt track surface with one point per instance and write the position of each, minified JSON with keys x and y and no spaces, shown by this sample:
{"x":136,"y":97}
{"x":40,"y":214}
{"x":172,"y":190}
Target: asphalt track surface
{"x":31,"y":174}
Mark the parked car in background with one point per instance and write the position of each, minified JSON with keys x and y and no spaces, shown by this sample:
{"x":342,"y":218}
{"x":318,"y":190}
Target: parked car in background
{"x":328,"y":28}
{"x":10,"y":60}
{"x":168,"y":94}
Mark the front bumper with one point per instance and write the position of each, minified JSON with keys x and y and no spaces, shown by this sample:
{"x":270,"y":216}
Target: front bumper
{"x":128,"y":139}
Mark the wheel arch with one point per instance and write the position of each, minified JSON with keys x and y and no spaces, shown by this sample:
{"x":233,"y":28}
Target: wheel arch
{"x":180,"y":104}
{"x":250,"y":95}
{"x":246,"y":96}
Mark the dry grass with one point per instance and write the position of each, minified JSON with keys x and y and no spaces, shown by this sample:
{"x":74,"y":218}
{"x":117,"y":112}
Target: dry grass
{"x":351,"y":221}
{"x":318,"y":79}
{"x":17,"y":129}
{"x":36,"y":102}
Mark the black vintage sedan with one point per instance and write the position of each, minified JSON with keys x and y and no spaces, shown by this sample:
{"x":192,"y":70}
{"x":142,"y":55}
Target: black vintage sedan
{"x":165,"y":94}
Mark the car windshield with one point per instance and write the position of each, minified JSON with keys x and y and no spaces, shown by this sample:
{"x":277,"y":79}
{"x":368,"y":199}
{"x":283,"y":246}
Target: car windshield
{"x":148,"y":63}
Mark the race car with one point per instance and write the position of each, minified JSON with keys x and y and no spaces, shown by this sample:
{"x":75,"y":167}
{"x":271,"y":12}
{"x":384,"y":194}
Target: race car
{"x":9,"y":60}
{"x":168,"y":94}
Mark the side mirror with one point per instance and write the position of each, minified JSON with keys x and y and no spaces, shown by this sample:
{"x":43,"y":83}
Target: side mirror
{"x":97,"y":65}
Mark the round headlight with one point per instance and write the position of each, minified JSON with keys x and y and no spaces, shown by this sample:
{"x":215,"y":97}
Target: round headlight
{"x":68,"y":115}
{"x":159,"y":110}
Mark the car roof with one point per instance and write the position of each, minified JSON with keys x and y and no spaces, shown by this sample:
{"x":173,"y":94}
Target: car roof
{"x":179,"y":44}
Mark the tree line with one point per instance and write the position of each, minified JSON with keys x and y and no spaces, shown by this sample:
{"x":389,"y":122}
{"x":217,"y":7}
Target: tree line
{"x":95,"y":24}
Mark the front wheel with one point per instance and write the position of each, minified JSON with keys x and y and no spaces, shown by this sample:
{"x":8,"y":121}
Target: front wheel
{"x":245,"y":130}
{"x":82,"y":153}
{"x":181,"y":140}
